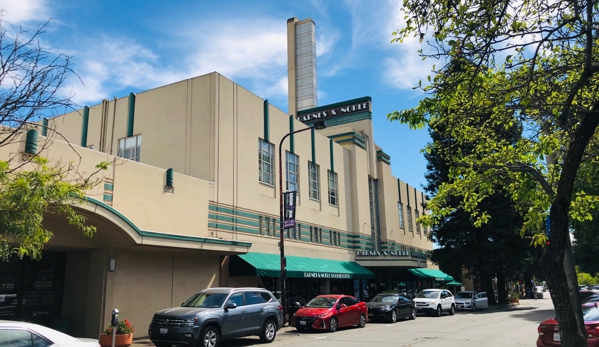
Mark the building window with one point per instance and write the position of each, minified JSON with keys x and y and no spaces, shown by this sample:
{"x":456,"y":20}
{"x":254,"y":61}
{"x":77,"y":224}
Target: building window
{"x":333,"y":188}
{"x":400,"y":210}
{"x":417,"y":224}
{"x":314,"y":174}
{"x":267,"y":226}
{"x":291,"y":166}
{"x":266,"y":159}
{"x":410,"y":228}
{"x":316,"y":235}
{"x":297,"y":232}
{"x":130,"y":148}
{"x":335,"y":237}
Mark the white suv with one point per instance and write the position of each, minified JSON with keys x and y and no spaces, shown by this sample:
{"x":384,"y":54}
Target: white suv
{"x":435,"y":301}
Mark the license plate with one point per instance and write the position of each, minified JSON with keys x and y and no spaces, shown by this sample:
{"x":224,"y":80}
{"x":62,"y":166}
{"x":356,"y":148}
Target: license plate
{"x":556,"y":337}
{"x":302,"y":322}
{"x":371,"y":315}
{"x":163,"y":330}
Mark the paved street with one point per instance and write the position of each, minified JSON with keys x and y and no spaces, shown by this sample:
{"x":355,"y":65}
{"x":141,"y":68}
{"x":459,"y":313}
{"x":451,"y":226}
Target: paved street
{"x":515,"y":326}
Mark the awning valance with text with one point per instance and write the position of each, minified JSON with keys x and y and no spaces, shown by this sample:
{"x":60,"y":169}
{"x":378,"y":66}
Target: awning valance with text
{"x":269,"y":265}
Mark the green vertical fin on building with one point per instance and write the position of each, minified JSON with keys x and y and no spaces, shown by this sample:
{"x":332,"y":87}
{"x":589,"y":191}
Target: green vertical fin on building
{"x":292,"y":137}
{"x":45,"y":127}
{"x":169,"y":177}
{"x":266,"y":124}
{"x":84,"y":126}
{"x":31,"y":142}
{"x":332,"y":155}
{"x":313,"y":133}
{"x":408,"y":193}
{"x":131,"y":115}
{"x":399,"y":189}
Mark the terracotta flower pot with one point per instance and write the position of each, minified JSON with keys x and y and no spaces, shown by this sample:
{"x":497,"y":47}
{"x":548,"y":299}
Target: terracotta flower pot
{"x":120,"y":340}
{"x":513,"y":301}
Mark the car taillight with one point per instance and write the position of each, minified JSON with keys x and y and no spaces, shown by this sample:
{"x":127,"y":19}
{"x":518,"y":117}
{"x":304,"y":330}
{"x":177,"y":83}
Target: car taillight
{"x":542,"y":329}
{"x":280,"y":307}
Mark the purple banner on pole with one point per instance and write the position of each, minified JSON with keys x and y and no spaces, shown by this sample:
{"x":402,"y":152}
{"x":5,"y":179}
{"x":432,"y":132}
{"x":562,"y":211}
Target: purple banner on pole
{"x":289,"y":210}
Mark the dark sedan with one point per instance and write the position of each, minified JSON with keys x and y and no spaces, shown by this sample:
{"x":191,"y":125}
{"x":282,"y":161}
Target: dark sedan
{"x":390,"y":306}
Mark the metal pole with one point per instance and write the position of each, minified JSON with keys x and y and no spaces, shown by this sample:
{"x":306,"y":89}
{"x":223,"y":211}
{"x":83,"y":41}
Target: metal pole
{"x":281,"y":216}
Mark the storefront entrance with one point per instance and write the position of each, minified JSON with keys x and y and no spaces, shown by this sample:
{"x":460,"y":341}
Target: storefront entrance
{"x":31,"y":290}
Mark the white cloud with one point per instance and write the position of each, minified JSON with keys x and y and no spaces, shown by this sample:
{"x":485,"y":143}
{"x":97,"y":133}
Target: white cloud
{"x":21,"y":12}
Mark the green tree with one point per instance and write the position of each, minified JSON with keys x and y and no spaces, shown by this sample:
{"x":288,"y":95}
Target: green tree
{"x":31,"y":87}
{"x":586,"y":233}
{"x":531,"y":63}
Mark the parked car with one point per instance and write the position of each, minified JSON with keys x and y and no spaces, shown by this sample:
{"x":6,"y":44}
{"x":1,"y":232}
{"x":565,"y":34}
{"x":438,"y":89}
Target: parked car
{"x":470,"y":300}
{"x":21,"y":334}
{"x":591,"y":301}
{"x":549,"y":332}
{"x":435,"y":301}
{"x":390,"y":306}
{"x":217,"y":314}
{"x":585,"y":294}
{"x":538,"y":292}
{"x":330,"y":312}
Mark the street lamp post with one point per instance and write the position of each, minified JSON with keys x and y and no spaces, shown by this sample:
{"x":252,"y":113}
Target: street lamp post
{"x":318,"y":125}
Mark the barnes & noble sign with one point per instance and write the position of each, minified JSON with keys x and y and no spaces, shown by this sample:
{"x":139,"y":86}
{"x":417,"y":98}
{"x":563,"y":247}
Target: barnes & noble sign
{"x":343,"y":110}
{"x":391,"y":254}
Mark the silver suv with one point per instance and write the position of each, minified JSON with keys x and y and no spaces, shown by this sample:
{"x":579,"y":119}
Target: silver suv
{"x":218,"y":314}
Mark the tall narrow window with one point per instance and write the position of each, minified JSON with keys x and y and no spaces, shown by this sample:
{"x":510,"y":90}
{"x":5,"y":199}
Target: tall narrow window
{"x":266,"y":158}
{"x":400,"y":210}
{"x":130,"y":148}
{"x":410,"y":228}
{"x":333,"y":188}
{"x":314,"y":174}
{"x":291,"y":165}
{"x":417,"y":224}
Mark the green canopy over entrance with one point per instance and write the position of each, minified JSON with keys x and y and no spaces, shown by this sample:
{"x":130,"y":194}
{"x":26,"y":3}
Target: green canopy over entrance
{"x":437,"y":275}
{"x":454,"y":283}
{"x":269,"y":265}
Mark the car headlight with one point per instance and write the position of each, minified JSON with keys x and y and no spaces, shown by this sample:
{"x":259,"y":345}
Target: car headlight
{"x":468,"y":302}
{"x":386,"y":308}
{"x":321,"y":315}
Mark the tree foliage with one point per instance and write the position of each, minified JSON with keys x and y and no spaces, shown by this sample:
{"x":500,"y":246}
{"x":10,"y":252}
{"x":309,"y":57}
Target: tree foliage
{"x":506,"y":63}
{"x":31,"y":87}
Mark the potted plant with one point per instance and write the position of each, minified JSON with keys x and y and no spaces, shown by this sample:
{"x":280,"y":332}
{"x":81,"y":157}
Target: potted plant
{"x":513,"y":298}
{"x":123,"y":337}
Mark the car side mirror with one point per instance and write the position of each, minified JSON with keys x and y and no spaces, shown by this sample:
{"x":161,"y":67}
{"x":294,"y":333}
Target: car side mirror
{"x":297,"y":304}
{"x":183,"y":303}
{"x":231,"y":305}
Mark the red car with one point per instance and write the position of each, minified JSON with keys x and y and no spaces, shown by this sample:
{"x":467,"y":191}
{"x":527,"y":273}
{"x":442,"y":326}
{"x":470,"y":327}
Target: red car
{"x":549,"y":334}
{"x":331,"y":311}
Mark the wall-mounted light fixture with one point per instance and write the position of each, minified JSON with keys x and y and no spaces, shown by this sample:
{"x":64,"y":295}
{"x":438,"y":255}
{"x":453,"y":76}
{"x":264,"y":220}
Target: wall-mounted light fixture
{"x":111,"y":264}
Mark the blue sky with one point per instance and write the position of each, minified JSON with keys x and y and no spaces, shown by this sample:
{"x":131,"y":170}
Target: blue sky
{"x":129,"y":46}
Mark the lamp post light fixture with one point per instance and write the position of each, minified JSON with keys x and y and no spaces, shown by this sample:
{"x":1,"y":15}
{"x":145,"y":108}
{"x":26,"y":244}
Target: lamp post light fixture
{"x":318,"y":125}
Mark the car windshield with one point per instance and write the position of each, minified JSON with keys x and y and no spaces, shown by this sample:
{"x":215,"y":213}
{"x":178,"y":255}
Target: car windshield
{"x":591,"y":314}
{"x":385,"y":298}
{"x":465,"y":295}
{"x":205,"y":299}
{"x":428,"y":294}
{"x":321,"y":302}
{"x":593,"y":298}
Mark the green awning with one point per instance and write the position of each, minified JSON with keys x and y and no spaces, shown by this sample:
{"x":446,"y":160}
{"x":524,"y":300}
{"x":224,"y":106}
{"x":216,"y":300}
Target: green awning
{"x":437,"y":275}
{"x":269,"y":265}
{"x":454,"y":283}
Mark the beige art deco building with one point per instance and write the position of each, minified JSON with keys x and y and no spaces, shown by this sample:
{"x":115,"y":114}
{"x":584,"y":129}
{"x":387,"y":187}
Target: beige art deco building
{"x":191,"y":201}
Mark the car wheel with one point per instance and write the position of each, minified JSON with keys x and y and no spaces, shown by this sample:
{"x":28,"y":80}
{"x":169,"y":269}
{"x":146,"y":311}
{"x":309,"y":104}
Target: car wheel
{"x":362,"y":322}
{"x":414,"y":313}
{"x":473,"y":306}
{"x":452,"y":310}
{"x":333,"y":324}
{"x":439,"y":311}
{"x":393,"y":317}
{"x":269,"y":331}
{"x":209,"y":337}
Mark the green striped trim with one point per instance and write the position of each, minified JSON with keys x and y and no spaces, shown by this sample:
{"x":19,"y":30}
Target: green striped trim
{"x":313,"y":132}
{"x":84,"y":126}
{"x":350,"y":138}
{"x":384,"y":157}
{"x":107,"y":197}
{"x":131,"y":115}
{"x":332,"y":155}
{"x":266,"y":122}
{"x":292,"y":137}
{"x":108,"y":186}
{"x":326,"y":107}
{"x":160,"y":235}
